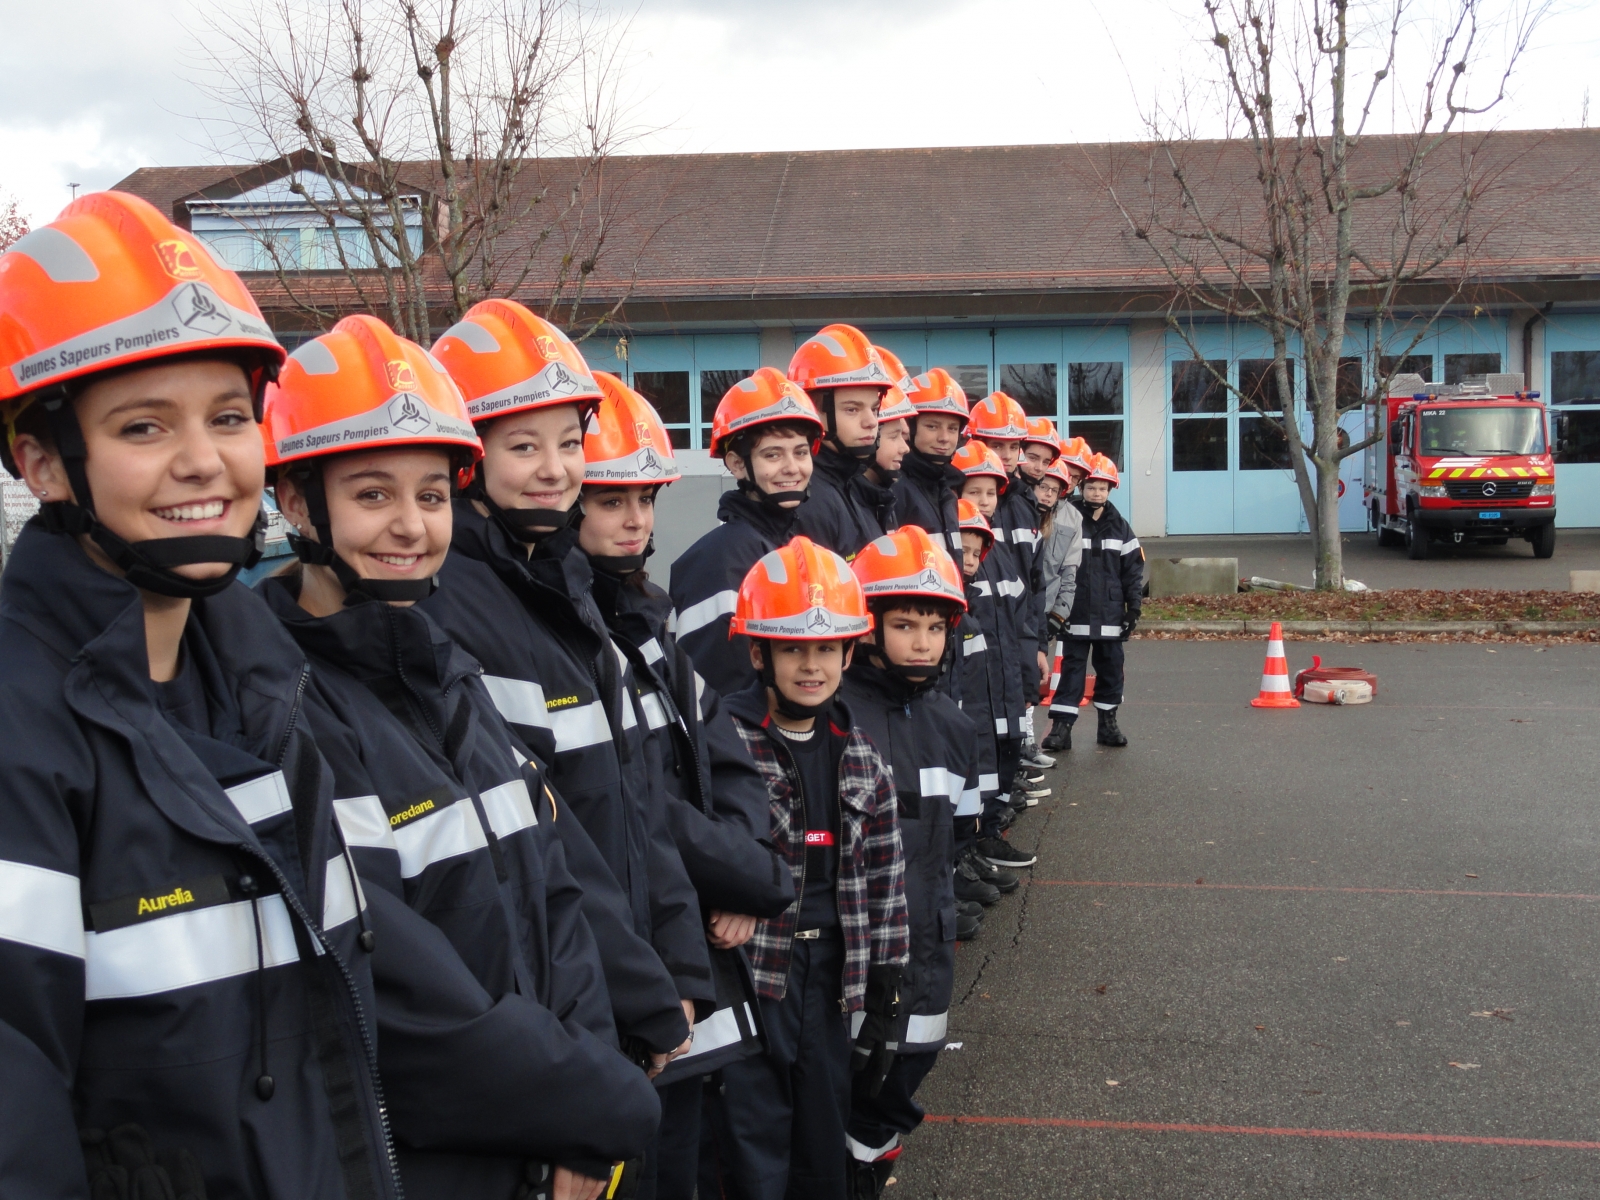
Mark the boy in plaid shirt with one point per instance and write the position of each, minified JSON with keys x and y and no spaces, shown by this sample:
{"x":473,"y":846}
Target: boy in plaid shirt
{"x":829,"y":966}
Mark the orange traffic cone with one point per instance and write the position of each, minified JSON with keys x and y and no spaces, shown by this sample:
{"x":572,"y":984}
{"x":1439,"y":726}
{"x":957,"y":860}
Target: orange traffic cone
{"x":1275,"y":692}
{"x":1088,"y":692}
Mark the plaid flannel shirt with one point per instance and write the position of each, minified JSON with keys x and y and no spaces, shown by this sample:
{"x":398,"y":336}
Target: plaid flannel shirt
{"x":871,"y":890}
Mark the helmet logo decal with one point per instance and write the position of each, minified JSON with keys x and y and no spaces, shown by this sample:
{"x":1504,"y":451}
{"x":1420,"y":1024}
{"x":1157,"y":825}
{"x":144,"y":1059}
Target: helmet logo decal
{"x":787,"y":405}
{"x":649,"y":464}
{"x":561,"y":381}
{"x":198,"y":308}
{"x":406,"y":415}
{"x":547,"y":345}
{"x":820,"y":621}
{"x":402,"y":378}
{"x":177,"y":259}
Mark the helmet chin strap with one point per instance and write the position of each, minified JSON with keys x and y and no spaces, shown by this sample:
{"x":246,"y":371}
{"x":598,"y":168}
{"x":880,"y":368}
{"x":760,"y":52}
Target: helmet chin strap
{"x":529,"y":525}
{"x":792,"y":709}
{"x":772,"y":501}
{"x":321,"y":554}
{"x":942,"y":459}
{"x":147,"y":564}
{"x":623,"y":564}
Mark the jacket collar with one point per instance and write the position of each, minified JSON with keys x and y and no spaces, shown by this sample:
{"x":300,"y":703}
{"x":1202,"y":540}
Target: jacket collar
{"x":838,"y":468}
{"x":95,"y":622}
{"x":776,"y":526}
{"x":371,"y":640}
{"x":750,"y":706}
{"x":557,"y":576}
{"x":927,"y":473}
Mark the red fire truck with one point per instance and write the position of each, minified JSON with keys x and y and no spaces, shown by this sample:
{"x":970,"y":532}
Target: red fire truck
{"x":1465,"y":463}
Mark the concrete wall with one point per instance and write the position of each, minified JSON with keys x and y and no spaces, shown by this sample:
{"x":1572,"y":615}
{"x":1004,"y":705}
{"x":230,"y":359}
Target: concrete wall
{"x":684,"y":511}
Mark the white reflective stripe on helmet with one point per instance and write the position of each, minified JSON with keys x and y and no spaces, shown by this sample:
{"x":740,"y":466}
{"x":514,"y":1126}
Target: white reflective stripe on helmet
{"x":403,"y":418}
{"x":556,"y":384}
{"x":645,"y":465}
{"x":261,"y":798}
{"x":41,"y":908}
{"x":443,"y":833}
{"x":815,"y":624}
{"x":509,"y":808}
{"x":701,"y":614}
{"x":187,"y":948}
{"x":190,"y":315}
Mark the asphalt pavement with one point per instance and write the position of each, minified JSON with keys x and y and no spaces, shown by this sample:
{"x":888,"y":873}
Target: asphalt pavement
{"x":1288,"y":557}
{"x":1322,"y":953}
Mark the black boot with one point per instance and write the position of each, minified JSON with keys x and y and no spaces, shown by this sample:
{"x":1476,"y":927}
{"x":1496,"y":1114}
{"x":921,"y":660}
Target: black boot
{"x":1060,"y":736}
{"x":1109,"y":734}
{"x":868,"y":1180}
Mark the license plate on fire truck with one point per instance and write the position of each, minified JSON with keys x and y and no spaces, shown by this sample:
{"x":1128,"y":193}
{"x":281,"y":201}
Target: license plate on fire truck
{"x":1488,"y":516}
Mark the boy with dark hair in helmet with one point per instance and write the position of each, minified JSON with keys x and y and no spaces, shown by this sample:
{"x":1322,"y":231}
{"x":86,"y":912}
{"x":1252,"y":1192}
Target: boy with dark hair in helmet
{"x":718,"y":806}
{"x":839,"y":950}
{"x":917,"y":600}
{"x":765,"y":431}
{"x":1105,"y":609}
{"x":847,"y":379}
{"x":442,"y":812}
{"x":925,"y":491}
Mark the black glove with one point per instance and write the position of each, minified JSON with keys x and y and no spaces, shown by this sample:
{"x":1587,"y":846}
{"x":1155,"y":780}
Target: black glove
{"x":538,"y":1181}
{"x":1128,"y":626}
{"x":123,"y":1165}
{"x":876,"y":1043}
{"x":1057,"y":624}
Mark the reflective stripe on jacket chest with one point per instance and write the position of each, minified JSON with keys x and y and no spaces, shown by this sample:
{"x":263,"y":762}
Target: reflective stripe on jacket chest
{"x":574,"y":719}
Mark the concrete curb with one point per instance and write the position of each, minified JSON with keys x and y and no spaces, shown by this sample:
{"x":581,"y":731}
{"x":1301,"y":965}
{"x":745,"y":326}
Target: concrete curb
{"x":1262,"y":628}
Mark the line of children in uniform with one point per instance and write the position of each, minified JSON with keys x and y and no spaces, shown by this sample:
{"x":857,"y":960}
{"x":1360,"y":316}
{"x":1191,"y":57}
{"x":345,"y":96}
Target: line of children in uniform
{"x":444,"y":864}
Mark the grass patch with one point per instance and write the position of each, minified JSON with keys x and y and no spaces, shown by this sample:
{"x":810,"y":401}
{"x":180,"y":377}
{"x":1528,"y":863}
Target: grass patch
{"x":1397,"y":604}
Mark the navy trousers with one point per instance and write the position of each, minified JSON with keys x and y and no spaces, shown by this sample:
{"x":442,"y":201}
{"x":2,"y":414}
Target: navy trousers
{"x":1075,"y":658}
{"x":673,"y":1160}
{"x":1009,"y":751}
{"x":877,"y":1123}
{"x":776,"y":1128}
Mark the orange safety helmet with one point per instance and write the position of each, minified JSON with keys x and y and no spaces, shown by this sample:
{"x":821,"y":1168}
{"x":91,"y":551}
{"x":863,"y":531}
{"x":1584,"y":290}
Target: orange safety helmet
{"x":112,"y":283}
{"x":507,"y":359}
{"x":1058,"y":471}
{"x":1043,"y":431}
{"x":762,"y":399}
{"x":935,"y":391}
{"x":971,"y":520}
{"x":1105,"y":469}
{"x":801,"y":592}
{"x":895,"y":407}
{"x":908,"y":562}
{"x":998,"y":417}
{"x":975,"y":459}
{"x":1077,"y":453}
{"x":625,"y":442}
{"x":895,"y":368}
{"x":839,"y":356}
{"x":364,"y":387}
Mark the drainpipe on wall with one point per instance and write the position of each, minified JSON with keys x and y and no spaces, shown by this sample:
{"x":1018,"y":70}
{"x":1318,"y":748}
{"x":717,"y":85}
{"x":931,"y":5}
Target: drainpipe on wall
{"x":1527,"y":347}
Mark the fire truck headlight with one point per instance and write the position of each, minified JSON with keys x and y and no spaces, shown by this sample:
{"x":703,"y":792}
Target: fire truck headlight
{"x":1434,"y":493}
{"x":1544,"y":489}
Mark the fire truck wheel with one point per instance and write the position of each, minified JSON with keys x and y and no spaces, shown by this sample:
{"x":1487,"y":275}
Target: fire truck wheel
{"x":1416,"y":539}
{"x":1544,"y":540}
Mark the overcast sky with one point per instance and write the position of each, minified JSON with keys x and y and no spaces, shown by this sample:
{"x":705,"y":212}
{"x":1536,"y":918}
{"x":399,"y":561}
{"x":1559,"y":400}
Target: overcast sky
{"x":95,"y":88}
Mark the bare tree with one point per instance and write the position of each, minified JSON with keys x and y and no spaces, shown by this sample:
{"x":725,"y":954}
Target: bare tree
{"x":13,"y":225}
{"x":1309,"y":217}
{"x":447,"y":150}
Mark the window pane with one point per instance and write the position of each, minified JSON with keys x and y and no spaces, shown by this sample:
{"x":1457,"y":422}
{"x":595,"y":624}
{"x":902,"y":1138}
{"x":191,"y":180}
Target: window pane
{"x":1577,"y":437}
{"x":1258,"y":384}
{"x":1347,"y":389}
{"x":1460,"y":366}
{"x":1412,"y":364}
{"x":713,"y":386}
{"x":1094,"y":389}
{"x":1104,"y":437}
{"x":1262,"y":445}
{"x":1195,"y":389}
{"x":1032,"y":385}
{"x":974,"y":380}
{"x":1575,"y":377}
{"x":668,"y":391}
{"x":678,"y":435}
{"x":1200,"y":445}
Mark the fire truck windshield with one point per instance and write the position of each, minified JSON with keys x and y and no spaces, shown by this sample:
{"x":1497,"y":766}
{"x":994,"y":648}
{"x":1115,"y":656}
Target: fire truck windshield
{"x":1482,"y":430}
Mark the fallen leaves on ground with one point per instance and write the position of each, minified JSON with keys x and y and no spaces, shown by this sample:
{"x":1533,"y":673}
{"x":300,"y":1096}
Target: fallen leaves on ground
{"x":1394,"y":604}
{"x":1467,"y":1066}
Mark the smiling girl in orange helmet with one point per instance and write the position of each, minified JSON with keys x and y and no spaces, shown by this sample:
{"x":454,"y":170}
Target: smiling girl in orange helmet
{"x":173,"y":891}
